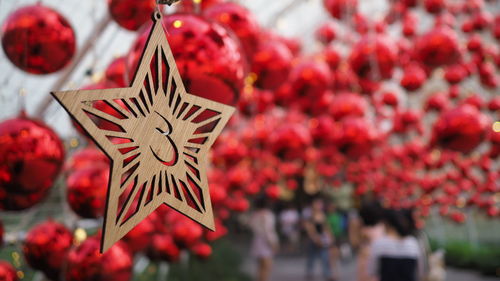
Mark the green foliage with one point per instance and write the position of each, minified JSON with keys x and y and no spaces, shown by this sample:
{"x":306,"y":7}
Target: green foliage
{"x":224,"y":265}
{"x":483,"y":258}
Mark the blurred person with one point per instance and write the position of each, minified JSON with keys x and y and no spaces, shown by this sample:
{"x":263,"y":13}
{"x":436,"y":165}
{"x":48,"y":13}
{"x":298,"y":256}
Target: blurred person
{"x":289,"y":225}
{"x":396,"y":256}
{"x":336,"y":223}
{"x":371,"y":228}
{"x":319,"y":240}
{"x":265,"y":241}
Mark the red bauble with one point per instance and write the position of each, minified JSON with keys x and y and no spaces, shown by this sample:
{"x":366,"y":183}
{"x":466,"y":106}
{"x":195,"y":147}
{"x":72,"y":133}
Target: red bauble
{"x":373,"y":57}
{"x":271,"y":64}
{"x":87,"y":189}
{"x":116,"y":72}
{"x":140,"y":236}
{"x":46,"y":246}
{"x":390,"y":99}
{"x":438,"y":101}
{"x":131,"y":14}
{"x":348,"y":104}
{"x":186,"y":233}
{"x":309,"y":81}
{"x":86,"y":157}
{"x":189,"y":6}
{"x":273,"y":192}
{"x":357,"y":137}
{"x":38,"y":39}
{"x":31,"y":156}
{"x":7,"y":272}
{"x":462,"y":128}
{"x":332,"y":57}
{"x":85,"y":263}
{"x":434,"y":6}
{"x":209,"y":59}
{"x":454,"y":74}
{"x":202,"y":251}
{"x":163,"y":248}
{"x":340,"y":8}
{"x":240,"y":21}
{"x":413,"y":77}
{"x":326,"y":33}
{"x":290,"y":140}
{"x":438,"y":47}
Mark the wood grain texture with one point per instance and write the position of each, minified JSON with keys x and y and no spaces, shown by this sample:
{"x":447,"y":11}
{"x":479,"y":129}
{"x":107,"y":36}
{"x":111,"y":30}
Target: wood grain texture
{"x":157,"y":137}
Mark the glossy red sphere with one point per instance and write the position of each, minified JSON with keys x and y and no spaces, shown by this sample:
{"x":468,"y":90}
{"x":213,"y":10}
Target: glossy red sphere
{"x":271,"y":64}
{"x":462,"y":128}
{"x":357,"y":137}
{"x":131,"y":14}
{"x":438,"y":47}
{"x":202,"y":251}
{"x":373,"y":57}
{"x":7,"y":272}
{"x":85,"y":263}
{"x":46,"y":246}
{"x":340,"y":8}
{"x":31,"y":156}
{"x":87,"y":189}
{"x":240,"y":21}
{"x":348,"y":104}
{"x":116,"y":72}
{"x":209,"y":59}
{"x":38,"y":39}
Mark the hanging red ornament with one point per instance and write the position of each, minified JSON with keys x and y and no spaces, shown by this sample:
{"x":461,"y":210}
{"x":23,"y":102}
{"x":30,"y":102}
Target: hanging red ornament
{"x":271,"y":64}
{"x":46,"y":246}
{"x":116,"y":72}
{"x":326,"y":32}
{"x":413,"y":77}
{"x":38,"y":39}
{"x":332,"y":57}
{"x":190,"y":6}
{"x":209,"y":59}
{"x":7,"y":272}
{"x":373,"y":57}
{"x":348,"y":104}
{"x":85,"y":263}
{"x":462,"y":128}
{"x":357,"y":137}
{"x":390,"y":98}
{"x":87,"y":188}
{"x":434,"y":6}
{"x":163,"y":248}
{"x":186,"y":233}
{"x":273,"y":192}
{"x":140,"y":236}
{"x":84,"y":158}
{"x":31,"y":156}
{"x":438,"y":47}
{"x":438,"y":101}
{"x":456,"y":73}
{"x":340,"y":8}
{"x":202,"y":251}
{"x":240,"y":21}
{"x":131,"y":14}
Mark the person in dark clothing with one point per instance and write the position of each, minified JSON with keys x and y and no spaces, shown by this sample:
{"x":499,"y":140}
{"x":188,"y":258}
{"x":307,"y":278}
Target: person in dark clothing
{"x":396,"y":256}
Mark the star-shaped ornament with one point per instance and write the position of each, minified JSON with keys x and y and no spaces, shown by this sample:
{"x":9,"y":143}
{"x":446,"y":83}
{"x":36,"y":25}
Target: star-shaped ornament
{"x":157,"y":137}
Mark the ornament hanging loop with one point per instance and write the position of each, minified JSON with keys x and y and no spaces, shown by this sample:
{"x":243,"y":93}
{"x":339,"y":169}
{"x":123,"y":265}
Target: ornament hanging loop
{"x":157,"y":15}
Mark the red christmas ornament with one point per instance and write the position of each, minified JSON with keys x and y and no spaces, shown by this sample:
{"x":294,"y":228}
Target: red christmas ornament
{"x":434,"y":6}
{"x":189,"y":6}
{"x":340,"y":8}
{"x":438,"y":101}
{"x":239,"y":20}
{"x":131,"y":14}
{"x":348,"y":104}
{"x":273,"y":192}
{"x":86,"y":157}
{"x":413,"y":77}
{"x":390,"y":99}
{"x":332,"y":57}
{"x":462,"y":128}
{"x":373,"y":57}
{"x":85,"y":263}
{"x":186,"y":233}
{"x":46,"y":246}
{"x":326,"y":33}
{"x":163,"y":248}
{"x":116,"y":72}
{"x":438,"y":47}
{"x":38,"y":39}
{"x":87,"y":190}
{"x":140,"y":236}
{"x":31,"y":156}
{"x":7,"y":272}
{"x":456,"y":73}
{"x":356,"y":138}
{"x":202,"y":251}
{"x":209,"y":59}
{"x":271,"y":64}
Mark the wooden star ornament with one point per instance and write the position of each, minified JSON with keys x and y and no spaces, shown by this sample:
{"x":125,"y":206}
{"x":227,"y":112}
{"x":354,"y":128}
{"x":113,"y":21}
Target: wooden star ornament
{"x":157,"y":137}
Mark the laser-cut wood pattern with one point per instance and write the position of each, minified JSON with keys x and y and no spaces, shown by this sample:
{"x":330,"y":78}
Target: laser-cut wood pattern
{"x":157,"y":137}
